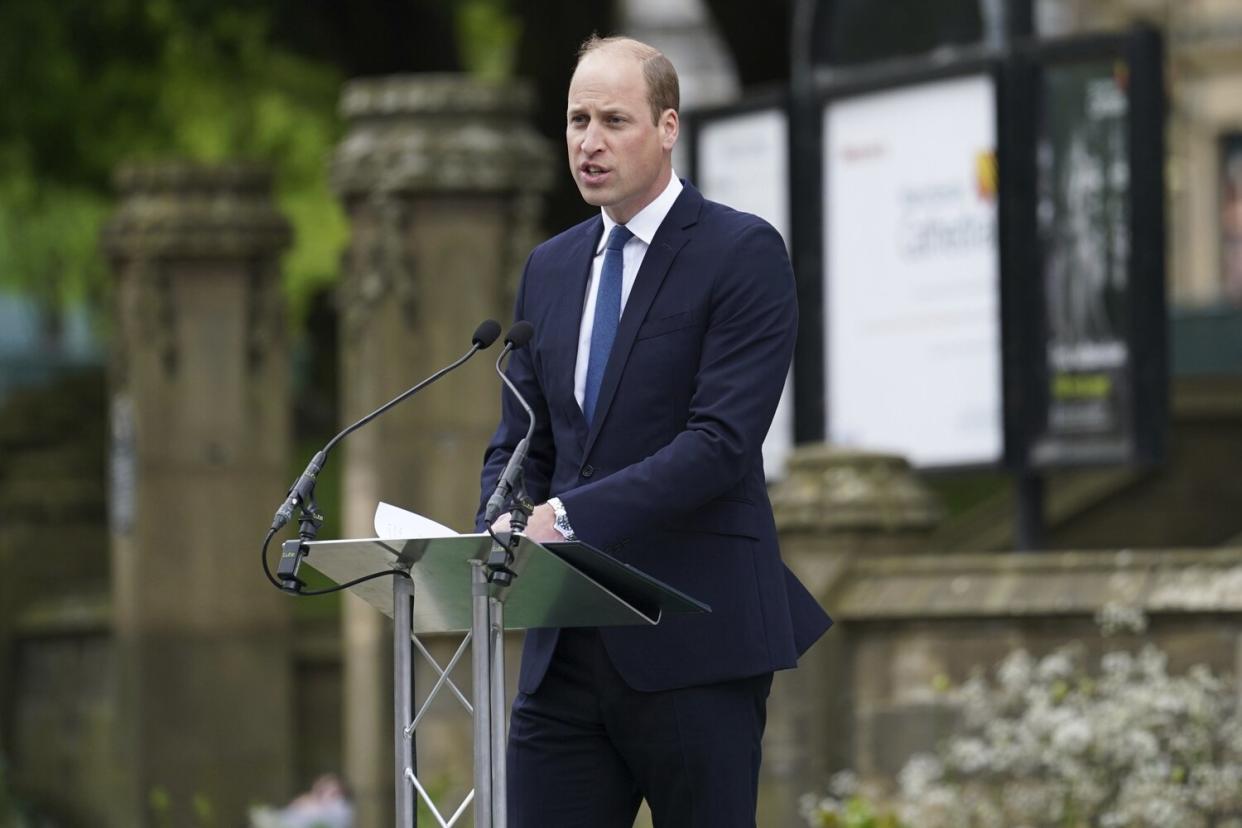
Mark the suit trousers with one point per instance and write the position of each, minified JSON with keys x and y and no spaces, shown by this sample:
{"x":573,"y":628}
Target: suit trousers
{"x":585,"y":749}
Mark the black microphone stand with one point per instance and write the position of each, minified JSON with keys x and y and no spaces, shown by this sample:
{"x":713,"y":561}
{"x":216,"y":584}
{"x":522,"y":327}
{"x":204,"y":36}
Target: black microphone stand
{"x":294,"y":550}
{"x":504,"y":544}
{"x":512,"y":483}
{"x":301,"y":494}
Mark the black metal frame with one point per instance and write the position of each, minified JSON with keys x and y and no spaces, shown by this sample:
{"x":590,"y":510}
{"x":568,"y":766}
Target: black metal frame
{"x":1146,"y":333}
{"x":1016,"y":71}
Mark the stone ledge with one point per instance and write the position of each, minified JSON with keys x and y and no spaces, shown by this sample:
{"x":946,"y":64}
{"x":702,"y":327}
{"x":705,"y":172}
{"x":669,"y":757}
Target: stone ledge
{"x":432,"y":94}
{"x":171,"y":175}
{"x":833,"y":489}
{"x":411,"y":134}
{"x":1044,"y":583}
{"x":71,"y":615}
{"x":182,"y":209}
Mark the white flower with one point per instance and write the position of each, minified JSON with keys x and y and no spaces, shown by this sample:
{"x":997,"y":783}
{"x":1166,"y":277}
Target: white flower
{"x":844,"y":784}
{"x":970,"y":756}
{"x":1072,"y":736}
{"x":1056,"y":665}
{"x":919,"y":774}
{"x":1114,"y":618}
{"x":1014,"y":673}
{"x":1117,"y":664}
{"x":1141,"y":745}
{"x":1042,"y":743}
{"x":812,"y":808}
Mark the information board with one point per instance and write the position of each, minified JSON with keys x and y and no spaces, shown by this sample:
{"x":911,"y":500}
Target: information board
{"x":912,"y":272}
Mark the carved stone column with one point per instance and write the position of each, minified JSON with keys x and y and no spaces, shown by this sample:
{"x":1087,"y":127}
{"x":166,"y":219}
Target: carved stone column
{"x":834,"y":506}
{"x":199,"y":459}
{"x":441,"y":177}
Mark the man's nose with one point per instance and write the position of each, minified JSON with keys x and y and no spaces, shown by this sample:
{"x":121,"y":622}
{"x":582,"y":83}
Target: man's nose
{"x":591,"y":140}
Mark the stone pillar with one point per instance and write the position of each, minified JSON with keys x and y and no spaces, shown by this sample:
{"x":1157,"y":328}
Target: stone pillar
{"x":441,"y":177}
{"x":199,"y":460}
{"x":834,"y":506}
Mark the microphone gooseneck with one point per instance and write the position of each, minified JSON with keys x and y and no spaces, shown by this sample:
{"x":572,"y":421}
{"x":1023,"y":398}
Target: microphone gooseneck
{"x":519,"y":335}
{"x":301,"y":494}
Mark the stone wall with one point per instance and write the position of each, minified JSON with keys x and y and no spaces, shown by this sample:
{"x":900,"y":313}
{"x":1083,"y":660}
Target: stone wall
{"x":855,"y":529}
{"x":55,"y":692}
{"x":908,"y":622}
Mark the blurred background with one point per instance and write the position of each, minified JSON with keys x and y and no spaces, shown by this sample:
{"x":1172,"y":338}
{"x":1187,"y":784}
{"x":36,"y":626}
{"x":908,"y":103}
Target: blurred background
{"x":230,"y":227}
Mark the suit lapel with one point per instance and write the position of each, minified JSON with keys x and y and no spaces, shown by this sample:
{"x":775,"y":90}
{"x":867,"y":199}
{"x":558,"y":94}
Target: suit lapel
{"x":569,"y":308}
{"x":674,"y":232}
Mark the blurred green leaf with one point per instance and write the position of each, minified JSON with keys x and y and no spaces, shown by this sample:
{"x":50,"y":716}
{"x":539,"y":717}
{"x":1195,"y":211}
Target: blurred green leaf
{"x":92,"y":84}
{"x":487,"y":37}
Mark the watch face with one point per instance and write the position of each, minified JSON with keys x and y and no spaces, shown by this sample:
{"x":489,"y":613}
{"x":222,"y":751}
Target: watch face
{"x":562,"y":524}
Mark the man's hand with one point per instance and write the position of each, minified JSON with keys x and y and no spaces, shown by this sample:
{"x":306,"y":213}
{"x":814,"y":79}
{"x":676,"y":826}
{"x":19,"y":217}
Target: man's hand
{"x":540,"y":528}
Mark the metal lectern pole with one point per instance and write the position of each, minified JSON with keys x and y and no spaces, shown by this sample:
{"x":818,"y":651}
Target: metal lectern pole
{"x":403,"y":699}
{"x":496,"y":645}
{"x":480,"y":655}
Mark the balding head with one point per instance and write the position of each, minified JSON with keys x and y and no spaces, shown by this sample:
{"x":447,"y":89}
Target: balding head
{"x":663,"y":90}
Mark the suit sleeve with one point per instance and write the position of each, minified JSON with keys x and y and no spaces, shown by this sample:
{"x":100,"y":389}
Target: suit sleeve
{"x":541,"y":455}
{"x":745,"y":356}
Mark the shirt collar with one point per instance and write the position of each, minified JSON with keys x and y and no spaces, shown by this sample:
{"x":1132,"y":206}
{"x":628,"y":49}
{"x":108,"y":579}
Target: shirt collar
{"x":646,"y":221}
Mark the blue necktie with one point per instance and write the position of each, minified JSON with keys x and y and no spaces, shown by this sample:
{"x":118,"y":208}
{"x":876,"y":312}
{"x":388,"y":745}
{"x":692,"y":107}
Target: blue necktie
{"x":607,"y":316}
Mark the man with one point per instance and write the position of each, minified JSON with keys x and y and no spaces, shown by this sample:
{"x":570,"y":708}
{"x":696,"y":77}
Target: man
{"x":664,"y":329}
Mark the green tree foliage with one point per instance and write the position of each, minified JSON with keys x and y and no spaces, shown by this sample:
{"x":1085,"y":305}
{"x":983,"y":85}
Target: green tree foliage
{"x":487,"y":36}
{"x":89,"y":84}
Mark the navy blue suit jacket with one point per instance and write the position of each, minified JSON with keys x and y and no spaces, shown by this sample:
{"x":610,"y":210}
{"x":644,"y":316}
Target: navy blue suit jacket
{"x":669,"y":476}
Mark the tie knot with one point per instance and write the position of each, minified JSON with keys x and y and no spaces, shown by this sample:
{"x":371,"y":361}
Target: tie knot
{"x":618,"y":237}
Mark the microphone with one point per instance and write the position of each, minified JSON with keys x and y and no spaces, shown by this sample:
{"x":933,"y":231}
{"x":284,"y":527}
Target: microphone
{"x":485,"y":334}
{"x":519,"y":335}
{"x":302,"y":490}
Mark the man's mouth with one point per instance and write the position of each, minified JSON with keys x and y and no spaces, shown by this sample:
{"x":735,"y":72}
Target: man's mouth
{"x":592,"y":173}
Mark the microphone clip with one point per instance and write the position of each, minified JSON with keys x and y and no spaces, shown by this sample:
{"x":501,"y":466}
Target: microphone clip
{"x":293,"y":551}
{"x":499,"y":562}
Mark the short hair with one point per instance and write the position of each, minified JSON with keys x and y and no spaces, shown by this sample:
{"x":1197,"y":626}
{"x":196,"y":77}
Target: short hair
{"x":663,"y":90}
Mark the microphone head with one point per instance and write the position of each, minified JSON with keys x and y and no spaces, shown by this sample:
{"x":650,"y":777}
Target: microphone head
{"x":486,"y":334}
{"x":520,"y":334}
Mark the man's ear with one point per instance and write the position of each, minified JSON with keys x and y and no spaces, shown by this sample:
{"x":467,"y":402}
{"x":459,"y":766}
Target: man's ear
{"x":670,"y":128}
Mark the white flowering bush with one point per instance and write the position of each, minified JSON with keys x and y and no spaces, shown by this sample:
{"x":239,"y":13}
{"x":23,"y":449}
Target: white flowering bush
{"x":1045,"y":742}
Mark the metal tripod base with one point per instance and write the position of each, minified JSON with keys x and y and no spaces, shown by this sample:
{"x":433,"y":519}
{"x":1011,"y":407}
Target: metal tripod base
{"x":487,"y":647}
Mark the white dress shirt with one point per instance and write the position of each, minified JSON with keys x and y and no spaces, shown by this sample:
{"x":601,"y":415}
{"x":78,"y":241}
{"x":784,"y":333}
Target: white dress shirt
{"x":643,"y":225}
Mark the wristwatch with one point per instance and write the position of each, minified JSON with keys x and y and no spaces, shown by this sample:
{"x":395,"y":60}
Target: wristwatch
{"x":561,"y":524}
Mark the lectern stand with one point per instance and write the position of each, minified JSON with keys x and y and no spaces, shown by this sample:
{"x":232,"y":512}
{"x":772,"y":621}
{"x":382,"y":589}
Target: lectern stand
{"x":447,"y":590}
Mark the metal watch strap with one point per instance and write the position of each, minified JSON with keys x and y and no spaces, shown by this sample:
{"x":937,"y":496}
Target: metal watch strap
{"x":561,"y":523}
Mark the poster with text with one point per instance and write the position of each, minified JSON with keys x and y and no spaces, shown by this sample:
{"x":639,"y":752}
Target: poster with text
{"x":912,"y":273}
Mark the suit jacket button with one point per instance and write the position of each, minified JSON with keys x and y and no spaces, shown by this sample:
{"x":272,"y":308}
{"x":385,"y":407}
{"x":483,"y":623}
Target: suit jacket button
{"x":588,"y":470}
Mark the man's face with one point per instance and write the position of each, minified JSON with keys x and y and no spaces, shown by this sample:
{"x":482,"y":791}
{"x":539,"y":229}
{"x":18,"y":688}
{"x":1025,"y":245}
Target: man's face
{"x":619,"y":159}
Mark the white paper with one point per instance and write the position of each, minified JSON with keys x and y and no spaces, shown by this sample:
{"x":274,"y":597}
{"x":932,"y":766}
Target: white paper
{"x":392,"y":522}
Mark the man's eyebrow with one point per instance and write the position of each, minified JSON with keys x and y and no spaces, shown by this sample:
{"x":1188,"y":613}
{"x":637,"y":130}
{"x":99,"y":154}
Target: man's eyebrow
{"x":615,"y":109}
